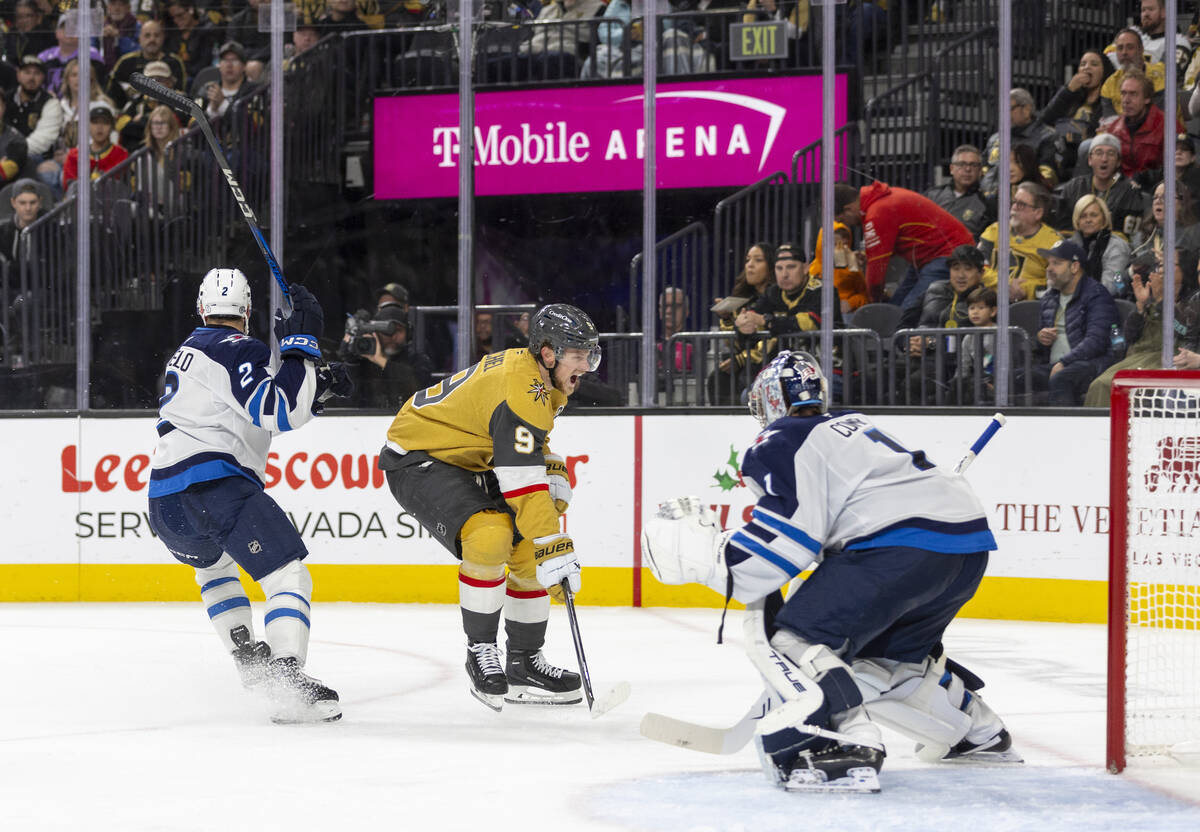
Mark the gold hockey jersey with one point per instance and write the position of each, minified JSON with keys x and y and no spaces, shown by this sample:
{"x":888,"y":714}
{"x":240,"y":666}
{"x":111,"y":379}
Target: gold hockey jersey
{"x":495,"y":415}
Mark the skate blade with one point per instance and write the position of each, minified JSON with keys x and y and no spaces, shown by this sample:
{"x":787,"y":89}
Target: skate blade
{"x":985,"y":758}
{"x":495,"y":701}
{"x":298,"y":715}
{"x":610,"y":699}
{"x":527,"y":695}
{"x":861,"y":780}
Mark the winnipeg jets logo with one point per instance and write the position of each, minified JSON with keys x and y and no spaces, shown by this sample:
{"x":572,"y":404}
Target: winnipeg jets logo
{"x":539,"y":392}
{"x":234,"y":338}
{"x":764,"y":436}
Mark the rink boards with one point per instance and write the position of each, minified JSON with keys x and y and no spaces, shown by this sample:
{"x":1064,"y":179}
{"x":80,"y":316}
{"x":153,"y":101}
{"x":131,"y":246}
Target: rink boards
{"x":75,"y":528}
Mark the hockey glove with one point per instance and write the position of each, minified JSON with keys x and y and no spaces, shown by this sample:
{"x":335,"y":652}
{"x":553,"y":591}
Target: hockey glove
{"x":559,"y":481}
{"x":683,"y":543}
{"x":299,"y":334}
{"x":334,"y":380}
{"x":554,"y":557}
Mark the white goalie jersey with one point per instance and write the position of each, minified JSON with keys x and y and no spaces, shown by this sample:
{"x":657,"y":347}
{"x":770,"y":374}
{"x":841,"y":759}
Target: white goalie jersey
{"x":220,"y":406}
{"x":836,"y":482}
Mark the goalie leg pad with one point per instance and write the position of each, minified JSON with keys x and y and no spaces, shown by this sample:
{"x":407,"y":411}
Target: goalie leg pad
{"x":224,"y":600}
{"x":289,"y":605}
{"x":928,"y":703}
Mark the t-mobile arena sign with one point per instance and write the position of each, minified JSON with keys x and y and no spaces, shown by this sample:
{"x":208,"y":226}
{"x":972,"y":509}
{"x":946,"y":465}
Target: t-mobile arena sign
{"x":711,"y":133}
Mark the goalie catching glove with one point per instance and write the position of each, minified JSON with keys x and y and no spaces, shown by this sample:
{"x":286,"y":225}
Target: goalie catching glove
{"x":555,"y":559}
{"x":559,"y":482}
{"x":683,"y":543}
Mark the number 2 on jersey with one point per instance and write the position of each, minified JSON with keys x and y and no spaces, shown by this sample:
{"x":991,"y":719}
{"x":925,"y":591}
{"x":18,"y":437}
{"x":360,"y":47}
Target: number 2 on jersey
{"x":918,"y":457}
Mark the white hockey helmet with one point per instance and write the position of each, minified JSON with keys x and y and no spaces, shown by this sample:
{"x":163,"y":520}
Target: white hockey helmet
{"x":224,"y":292}
{"x":792,"y":379}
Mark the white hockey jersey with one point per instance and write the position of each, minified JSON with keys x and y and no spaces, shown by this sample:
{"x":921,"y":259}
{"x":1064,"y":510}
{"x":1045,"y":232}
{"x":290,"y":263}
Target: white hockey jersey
{"x":220,"y":407}
{"x":836,"y":482}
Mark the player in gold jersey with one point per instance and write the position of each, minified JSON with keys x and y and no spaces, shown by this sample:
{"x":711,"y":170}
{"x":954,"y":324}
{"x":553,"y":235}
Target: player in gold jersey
{"x":468,"y":457}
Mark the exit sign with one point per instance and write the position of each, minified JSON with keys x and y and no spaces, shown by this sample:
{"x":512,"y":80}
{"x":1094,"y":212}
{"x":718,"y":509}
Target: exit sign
{"x":758,"y":41}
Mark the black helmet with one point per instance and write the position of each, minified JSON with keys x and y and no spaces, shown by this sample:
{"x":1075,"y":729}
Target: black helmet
{"x":561,"y":326}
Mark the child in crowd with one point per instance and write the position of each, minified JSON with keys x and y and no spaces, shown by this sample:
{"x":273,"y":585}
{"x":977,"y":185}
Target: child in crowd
{"x":981,"y":311}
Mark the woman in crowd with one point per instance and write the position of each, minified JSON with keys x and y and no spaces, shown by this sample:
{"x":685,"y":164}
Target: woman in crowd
{"x":1074,"y":111}
{"x":1023,"y":167}
{"x":1108,"y":254}
{"x":1149,"y":236}
{"x":1144,"y":326}
{"x":50,"y":171}
{"x":158,"y":172}
{"x":756,"y":275}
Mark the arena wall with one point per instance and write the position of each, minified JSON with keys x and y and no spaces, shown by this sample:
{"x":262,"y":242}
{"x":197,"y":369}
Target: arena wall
{"x":75,"y":524}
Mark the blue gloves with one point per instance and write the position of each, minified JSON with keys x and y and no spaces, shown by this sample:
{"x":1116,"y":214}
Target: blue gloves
{"x":298,"y":334}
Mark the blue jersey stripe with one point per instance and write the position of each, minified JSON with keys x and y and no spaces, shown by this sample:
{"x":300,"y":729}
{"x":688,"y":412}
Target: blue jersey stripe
{"x":295,"y":595}
{"x":215,"y":469}
{"x":753,"y":546}
{"x":787,"y":530}
{"x":213,"y":584}
{"x":227,"y":605}
{"x":929,"y":540}
{"x":254,"y":407}
{"x":286,"y":612}
{"x":281,"y":411}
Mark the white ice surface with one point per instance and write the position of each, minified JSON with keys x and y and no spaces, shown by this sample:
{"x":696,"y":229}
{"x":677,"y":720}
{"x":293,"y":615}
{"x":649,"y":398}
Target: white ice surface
{"x":129,"y":717}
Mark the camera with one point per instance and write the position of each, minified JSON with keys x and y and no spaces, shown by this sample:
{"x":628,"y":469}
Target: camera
{"x":360,"y":330}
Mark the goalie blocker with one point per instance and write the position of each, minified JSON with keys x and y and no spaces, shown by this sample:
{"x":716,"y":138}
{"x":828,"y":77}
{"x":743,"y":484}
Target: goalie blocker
{"x":899,"y":546}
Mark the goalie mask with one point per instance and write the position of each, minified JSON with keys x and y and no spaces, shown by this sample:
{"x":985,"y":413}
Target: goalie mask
{"x":792,"y":379}
{"x":561,"y":326}
{"x":226,"y":293}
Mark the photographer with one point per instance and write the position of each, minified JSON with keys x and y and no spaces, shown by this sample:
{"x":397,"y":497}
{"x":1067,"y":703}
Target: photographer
{"x":385,"y":369}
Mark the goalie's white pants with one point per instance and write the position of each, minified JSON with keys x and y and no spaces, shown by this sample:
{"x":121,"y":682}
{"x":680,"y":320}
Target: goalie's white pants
{"x":926,"y":702}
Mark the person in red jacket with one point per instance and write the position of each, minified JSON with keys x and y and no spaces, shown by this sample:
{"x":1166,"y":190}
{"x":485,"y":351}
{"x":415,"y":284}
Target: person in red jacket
{"x":104,"y":154}
{"x":1140,"y":131}
{"x":898,"y":222}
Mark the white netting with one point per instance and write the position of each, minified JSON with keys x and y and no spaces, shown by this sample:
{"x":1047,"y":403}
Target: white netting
{"x":1162,"y":645}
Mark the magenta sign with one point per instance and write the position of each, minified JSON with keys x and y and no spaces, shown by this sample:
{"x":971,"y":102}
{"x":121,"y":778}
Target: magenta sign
{"x":710,"y":133}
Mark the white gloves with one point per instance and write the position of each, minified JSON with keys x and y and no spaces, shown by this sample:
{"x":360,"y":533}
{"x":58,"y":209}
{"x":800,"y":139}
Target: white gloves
{"x":559,"y":482}
{"x":555,"y":559}
{"x":683,"y":543}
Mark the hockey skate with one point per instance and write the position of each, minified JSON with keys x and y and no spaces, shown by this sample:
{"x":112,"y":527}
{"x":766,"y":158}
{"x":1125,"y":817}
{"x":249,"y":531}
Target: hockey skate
{"x":251,"y":658}
{"x":839,"y":768}
{"x":994,"y":750}
{"x":488,"y":683}
{"x":298,"y":697}
{"x":534,"y":681}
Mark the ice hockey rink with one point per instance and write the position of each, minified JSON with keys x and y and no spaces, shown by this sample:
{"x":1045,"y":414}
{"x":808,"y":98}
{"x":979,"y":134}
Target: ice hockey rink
{"x":128,"y":717}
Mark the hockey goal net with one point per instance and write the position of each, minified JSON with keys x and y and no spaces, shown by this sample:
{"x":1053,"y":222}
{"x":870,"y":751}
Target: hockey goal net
{"x":1154,"y":567}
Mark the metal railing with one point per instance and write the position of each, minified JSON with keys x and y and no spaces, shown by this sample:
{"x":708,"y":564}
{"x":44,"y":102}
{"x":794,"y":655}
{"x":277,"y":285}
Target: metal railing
{"x":765,"y":210}
{"x":684,"y":262}
{"x":930,"y":375}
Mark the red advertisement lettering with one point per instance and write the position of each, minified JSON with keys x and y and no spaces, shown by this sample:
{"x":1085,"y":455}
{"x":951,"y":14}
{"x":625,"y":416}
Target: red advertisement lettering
{"x":136,"y":465}
{"x":290,"y":475}
{"x":107,"y":464}
{"x":71,"y":484}
{"x":319,"y":478}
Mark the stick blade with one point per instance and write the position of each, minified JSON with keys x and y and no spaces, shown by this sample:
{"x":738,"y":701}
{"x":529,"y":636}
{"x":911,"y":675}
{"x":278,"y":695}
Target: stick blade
{"x":689,"y":735}
{"x":609,"y":699}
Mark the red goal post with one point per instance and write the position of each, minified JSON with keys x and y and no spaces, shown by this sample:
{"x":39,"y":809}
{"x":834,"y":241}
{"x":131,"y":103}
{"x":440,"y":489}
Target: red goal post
{"x":1154,"y":566}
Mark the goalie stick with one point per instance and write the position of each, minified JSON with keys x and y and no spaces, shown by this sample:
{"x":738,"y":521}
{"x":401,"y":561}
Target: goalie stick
{"x":608,"y":699}
{"x":696,"y":737}
{"x":186,"y":106}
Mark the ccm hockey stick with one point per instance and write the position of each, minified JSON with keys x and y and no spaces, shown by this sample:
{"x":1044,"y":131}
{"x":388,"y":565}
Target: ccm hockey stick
{"x":608,"y":699}
{"x":696,"y":737}
{"x":186,"y":106}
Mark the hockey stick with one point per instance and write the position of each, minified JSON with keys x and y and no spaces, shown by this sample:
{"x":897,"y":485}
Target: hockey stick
{"x":610,"y":698}
{"x":710,"y":740}
{"x":997,"y":422}
{"x":186,"y":106}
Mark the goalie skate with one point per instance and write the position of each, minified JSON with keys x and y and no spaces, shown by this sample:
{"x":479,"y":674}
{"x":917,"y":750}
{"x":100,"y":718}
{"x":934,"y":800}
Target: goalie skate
{"x":534,"y":681}
{"x":488,"y":683}
{"x":298,"y":697}
{"x":996,"y":750}
{"x":840,"y":768}
{"x":251,"y":658}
